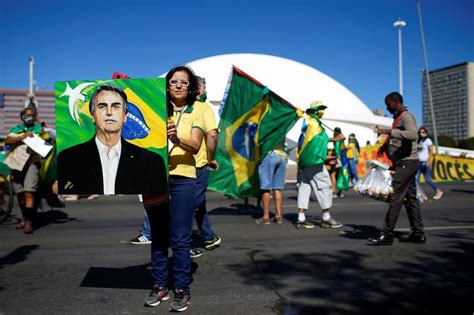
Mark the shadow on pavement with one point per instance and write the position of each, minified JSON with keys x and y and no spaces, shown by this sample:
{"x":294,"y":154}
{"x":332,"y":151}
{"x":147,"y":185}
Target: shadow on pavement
{"x":133,"y":277}
{"x":467,"y":191}
{"x":457,"y":221}
{"x":360,"y":232}
{"x":18,"y":255}
{"x":45,"y":218}
{"x":348,"y":282}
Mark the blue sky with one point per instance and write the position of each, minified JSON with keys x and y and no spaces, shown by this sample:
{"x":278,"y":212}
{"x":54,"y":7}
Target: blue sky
{"x":353,"y":41}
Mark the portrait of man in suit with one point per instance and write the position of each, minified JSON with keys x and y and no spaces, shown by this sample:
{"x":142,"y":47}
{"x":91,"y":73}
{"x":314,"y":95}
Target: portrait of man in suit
{"x":107,"y":163}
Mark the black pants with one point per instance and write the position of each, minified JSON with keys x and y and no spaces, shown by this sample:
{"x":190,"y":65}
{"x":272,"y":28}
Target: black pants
{"x":404,"y":186}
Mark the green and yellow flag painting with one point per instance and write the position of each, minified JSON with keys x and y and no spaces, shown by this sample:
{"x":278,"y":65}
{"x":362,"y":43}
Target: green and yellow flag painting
{"x":146,"y":113}
{"x":253,"y":121}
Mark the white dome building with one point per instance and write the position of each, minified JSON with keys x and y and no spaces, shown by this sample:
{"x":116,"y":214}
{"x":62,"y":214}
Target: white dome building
{"x":298,"y":84}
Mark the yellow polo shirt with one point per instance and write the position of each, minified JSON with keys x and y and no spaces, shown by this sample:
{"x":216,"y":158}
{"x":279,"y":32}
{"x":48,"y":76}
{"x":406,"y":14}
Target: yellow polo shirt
{"x":209,"y":122}
{"x":351,"y":150}
{"x":182,"y":163}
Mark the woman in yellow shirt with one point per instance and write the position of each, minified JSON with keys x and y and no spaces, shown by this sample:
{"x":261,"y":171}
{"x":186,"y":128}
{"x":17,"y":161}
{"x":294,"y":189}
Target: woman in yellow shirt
{"x":173,"y":225}
{"x":353,"y":150}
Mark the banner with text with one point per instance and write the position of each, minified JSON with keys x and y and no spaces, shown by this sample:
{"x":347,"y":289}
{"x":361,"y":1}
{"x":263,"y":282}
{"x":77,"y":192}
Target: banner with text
{"x":444,"y":168}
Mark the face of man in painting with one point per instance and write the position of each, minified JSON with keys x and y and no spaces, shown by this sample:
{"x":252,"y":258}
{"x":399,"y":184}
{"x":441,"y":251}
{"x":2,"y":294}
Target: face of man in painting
{"x":109,"y":113}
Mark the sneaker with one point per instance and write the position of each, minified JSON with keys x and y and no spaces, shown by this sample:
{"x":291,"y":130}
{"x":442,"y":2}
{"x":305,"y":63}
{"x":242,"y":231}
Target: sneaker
{"x":263,"y":221}
{"x":340,"y":194}
{"x":139,"y":240}
{"x":334,"y":196}
{"x":304,"y":225}
{"x":438,"y":195}
{"x":195,"y":253}
{"x":157,"y":295}
{"x":180,"y":302}
{"x":331,"y":224}
{"x":213,"y":242}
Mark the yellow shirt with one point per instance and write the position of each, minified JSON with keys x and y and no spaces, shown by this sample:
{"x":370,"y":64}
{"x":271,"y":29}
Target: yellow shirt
{"x":182,"y":163}
{"x":351,"y":150}
{"x":209,"y":122}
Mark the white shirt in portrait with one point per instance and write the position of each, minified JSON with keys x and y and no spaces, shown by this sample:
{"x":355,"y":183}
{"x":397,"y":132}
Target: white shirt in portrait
{"x":109,"y":160}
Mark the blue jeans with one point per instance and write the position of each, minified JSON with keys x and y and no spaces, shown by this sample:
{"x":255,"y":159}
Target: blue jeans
{"x":425,"y":170}
{"x":146,"y":230}
{"x":353,"y":169}
{"x":171,"y":224}
{"x":200,"y":210}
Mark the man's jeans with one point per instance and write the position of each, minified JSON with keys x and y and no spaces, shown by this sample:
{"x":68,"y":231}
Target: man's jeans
{"x":353,"y":170}
{"x":200,"y":210}
{"x":146,"y":230}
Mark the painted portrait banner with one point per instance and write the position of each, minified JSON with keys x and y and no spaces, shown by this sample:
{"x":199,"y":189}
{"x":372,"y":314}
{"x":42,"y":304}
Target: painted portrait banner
{"x":444,"y":168}
{"x":111,"y":136}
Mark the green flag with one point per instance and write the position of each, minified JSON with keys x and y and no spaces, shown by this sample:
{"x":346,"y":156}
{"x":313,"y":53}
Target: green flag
{"x":253,"y":121}
{"x":313,"y":143}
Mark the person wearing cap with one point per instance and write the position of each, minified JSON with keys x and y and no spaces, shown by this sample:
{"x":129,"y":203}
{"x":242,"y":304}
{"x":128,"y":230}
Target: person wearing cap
{"x":312,"y":154}
{"x":25,"y":181}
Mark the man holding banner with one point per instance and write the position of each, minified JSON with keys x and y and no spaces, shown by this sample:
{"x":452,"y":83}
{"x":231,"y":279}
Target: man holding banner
{"x":312,"y":174}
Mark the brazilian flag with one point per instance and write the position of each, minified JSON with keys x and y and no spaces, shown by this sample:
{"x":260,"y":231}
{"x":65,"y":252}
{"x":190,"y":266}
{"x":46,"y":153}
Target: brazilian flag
{"x":253,"y":121}
{"x":313,"y":142}
{"x":146,"y":113}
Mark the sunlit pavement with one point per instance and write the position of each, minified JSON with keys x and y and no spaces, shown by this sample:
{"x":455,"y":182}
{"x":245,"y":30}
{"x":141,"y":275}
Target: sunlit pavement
{"x":79,"y":260}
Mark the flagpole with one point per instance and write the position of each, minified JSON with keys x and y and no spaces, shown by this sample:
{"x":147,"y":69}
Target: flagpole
{"x":427,"y":72}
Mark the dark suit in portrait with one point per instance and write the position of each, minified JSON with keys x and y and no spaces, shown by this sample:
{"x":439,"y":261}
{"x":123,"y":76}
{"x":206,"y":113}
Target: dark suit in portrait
{"x":139,"y":171}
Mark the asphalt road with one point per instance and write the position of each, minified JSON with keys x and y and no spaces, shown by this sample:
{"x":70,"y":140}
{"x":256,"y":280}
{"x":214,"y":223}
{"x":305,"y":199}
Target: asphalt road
{"x":79,"y":261}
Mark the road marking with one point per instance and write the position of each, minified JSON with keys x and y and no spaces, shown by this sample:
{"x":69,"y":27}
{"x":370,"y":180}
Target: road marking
{"x":440,"y":228}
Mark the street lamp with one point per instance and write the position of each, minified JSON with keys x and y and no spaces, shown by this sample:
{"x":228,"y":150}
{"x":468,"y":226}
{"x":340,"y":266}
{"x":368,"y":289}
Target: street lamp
{"x":399,"y":25}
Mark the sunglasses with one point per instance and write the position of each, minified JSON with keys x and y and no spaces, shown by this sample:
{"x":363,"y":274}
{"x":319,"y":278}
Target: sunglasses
{"x":181,"y":82}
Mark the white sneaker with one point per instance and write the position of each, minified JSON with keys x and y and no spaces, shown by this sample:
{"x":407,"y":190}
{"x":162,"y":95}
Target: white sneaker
{"x":331,"y":224}
{"x":139,"y":240}
{"x":438,"y":195}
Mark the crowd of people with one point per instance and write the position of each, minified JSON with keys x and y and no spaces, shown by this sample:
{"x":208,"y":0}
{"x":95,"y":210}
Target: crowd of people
{"x":326,"y":166}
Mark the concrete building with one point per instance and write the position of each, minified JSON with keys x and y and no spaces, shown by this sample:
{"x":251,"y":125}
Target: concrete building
{"x":452,"y":89}
{"x":13,"y":101}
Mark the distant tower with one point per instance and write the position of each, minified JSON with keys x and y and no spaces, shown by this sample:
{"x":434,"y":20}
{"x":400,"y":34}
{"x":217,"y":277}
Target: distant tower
{"x":399,"y":25}
{"x":31,"y":100}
